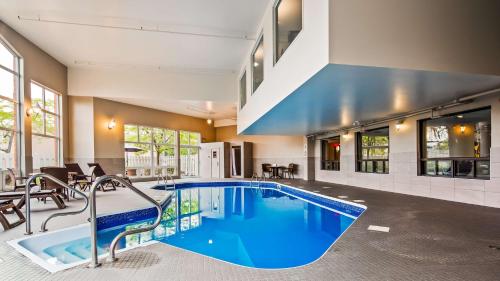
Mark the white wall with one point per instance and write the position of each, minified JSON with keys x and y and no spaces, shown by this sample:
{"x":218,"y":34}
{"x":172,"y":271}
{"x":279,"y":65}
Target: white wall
{"x":307,"y":54}
{"x":151,"y":84}
{"x":444,"y":35}
{"x":403,"y":178}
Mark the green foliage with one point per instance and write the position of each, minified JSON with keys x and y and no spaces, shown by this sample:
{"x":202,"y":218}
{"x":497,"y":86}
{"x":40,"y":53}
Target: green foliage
{"x":7,"y":114}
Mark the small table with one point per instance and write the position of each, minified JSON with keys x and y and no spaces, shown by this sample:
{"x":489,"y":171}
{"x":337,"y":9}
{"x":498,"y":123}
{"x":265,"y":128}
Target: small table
{"x":275,"y":172}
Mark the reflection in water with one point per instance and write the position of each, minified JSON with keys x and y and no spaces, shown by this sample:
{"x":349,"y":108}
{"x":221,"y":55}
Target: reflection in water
{"x":254,"y":227}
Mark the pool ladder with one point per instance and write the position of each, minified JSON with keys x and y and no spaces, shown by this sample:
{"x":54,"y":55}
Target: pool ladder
{"x":60,"y":214}
{"x":93,"y":218}
{"x":257,"y":179}
{"x":165,"y":180}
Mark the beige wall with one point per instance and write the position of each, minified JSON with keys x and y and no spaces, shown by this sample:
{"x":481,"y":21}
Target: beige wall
{"x":44,"y":69}
{"x":281,"y":150}
{"x":107,"y":145}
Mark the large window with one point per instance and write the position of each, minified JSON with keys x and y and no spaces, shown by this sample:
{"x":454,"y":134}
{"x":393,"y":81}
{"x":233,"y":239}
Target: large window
{"x":9,"y":104}
{"x":456,"y":145}
{"x":190,"y":153}
{"x":372,"y":149}
{"x":45,"y":126}
{"x":287,"y":24}
{"x":150,"y":151}
{"x":330,"y":154}
{"x":258,"y":64}
{"x":243,"y":90}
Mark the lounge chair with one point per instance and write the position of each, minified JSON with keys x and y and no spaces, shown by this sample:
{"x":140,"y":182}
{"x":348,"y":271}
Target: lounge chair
{"x":60,"y":174}
{"x":98,"y":171}
{"x":42,"y":195}
{"x":79,"y":178}
{"x":8,"y":206}
{"x":18,"y":181}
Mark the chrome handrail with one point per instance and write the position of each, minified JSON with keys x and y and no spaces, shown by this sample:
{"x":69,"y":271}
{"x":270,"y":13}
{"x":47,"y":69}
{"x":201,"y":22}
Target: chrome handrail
{"x":165,"y":179}
{"x":93,"y":217}
{"x":28,"y":197}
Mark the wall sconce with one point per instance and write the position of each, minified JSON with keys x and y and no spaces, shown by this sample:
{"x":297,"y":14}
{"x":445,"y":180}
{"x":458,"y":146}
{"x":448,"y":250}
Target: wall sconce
{"x":462,"y":129}
{"x":346,"y":134}
{"x":209,"y":121}
{"x":111,"y":124}
{"x":399,"y":124}
{"x":29,"y":111}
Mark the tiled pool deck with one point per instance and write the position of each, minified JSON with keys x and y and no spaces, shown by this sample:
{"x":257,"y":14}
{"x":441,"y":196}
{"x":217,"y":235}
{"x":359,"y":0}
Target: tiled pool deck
{"x":429,"y":239}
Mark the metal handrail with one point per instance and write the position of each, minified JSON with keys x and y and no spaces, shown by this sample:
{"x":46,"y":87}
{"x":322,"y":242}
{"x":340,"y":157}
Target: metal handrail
{"x":165,"y":179}
{"x":93,"y":217}
{"x":28,"y":197}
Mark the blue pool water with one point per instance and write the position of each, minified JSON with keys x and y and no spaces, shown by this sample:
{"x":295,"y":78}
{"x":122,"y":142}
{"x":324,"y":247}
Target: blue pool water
{"x":263,"y":228}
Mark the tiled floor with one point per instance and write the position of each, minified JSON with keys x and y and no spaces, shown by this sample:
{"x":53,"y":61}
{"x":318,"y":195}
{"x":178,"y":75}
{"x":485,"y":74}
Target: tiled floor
{"x":428,"y":240}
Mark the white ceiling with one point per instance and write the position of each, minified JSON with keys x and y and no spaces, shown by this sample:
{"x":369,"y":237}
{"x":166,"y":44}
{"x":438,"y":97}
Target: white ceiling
{"x":98,"y":34}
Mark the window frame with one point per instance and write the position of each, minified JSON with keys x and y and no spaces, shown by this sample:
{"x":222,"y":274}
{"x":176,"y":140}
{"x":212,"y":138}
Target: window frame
{"x":359,"y":153}
{"x":244,"y":75}
{"x":17,"y":104}
{"x":57,"y":115}
{"x":152,"y":166}
{"x":421,"y":148}
{"x":335,"y":164}
{"x":190,"y":146}
{"x":275,"y":31}
{"x":252,"y":61}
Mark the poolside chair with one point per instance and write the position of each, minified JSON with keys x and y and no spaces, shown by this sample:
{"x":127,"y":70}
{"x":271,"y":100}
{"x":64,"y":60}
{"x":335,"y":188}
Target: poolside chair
{"x":266,"y":169}
{"x":42,"y":195}
{"x":78,"y":178}
{"x":17,"y":181}
{"x":7,"y":207}
{"x":289,"y":171}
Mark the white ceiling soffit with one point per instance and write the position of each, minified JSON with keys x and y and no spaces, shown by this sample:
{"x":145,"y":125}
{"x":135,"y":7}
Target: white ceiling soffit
{"x":197,"y":44}
{"x":206,"y":110}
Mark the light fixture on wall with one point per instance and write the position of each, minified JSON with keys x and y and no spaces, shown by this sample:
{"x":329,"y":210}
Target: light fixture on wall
{"x":29,"y":111}
{"x":345,"y":134}
{"x":111,"y":124}
{"x":399,"y":124}
{"x":462,"y":129}
{"x":209,"y":118}
{"x":209,"y":121}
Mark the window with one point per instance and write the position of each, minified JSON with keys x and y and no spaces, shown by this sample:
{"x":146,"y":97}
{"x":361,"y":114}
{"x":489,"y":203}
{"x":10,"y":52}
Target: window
{"x":456,"y":145}
{"x":45,"y":127}
{"x":150,"y":151}
{"x":372,"y":149}
{"x":287,"y":24}
{"x":330,"y":154}
{"x":258,"y":64}
{"x":243,"y":90}
{"x":9,"y":104}
{"x":190,"y":153}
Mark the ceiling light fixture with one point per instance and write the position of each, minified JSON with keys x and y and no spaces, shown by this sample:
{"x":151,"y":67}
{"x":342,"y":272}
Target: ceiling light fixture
{"x":255,"y":64}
